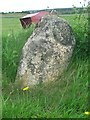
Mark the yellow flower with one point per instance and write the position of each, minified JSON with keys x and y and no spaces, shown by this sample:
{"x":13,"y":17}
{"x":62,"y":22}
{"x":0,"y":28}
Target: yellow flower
{"x":26,"y":88}
{"x":87,"y":113}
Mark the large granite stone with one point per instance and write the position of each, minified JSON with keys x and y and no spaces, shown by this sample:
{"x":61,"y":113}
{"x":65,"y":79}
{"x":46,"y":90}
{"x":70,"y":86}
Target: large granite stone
{"x":47,"y":52}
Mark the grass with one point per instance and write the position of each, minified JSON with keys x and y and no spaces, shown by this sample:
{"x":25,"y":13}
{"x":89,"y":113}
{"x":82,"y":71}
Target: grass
{"x":14,"y":37}
{"x":10,"y":24}
{"x":66,"y":97}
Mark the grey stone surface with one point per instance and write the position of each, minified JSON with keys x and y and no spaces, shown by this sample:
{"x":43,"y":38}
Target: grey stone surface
{"x":47,"y":52}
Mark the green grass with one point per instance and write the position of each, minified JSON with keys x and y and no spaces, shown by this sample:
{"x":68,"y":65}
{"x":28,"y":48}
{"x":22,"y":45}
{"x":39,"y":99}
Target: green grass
{"x":10,"y":25}
{"x":66,"y":97}
{"x":13,"y":39}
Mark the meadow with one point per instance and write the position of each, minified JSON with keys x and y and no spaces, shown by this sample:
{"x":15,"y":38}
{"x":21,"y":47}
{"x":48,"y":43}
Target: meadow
{"x":66,"y":97}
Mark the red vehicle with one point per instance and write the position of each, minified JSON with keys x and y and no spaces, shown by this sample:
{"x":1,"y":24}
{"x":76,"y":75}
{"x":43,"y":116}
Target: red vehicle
{"x":32,"y":18}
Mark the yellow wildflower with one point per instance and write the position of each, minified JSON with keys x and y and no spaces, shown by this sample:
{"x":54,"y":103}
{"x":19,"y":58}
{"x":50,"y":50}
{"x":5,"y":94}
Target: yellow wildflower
{"x":87,"y":113}
{"x":26,"y":88}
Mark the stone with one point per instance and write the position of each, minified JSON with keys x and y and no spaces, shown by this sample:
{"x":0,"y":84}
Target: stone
{"x":47,"y":52}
